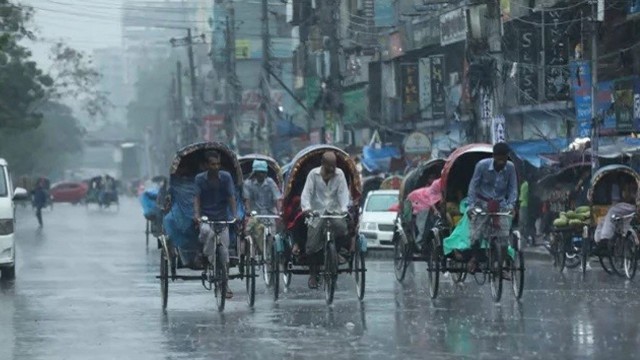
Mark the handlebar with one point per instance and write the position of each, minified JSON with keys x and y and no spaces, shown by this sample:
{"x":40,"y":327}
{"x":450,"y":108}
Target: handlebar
{"x":265,"y":216}
{"x":205,"y":219}
{"x":481,"y":212}
{"x":623,"y":217}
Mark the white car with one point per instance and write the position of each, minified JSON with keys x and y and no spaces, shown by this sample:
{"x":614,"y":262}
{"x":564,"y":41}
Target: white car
{"x":377,"y":219}
{"x":7,"y":221}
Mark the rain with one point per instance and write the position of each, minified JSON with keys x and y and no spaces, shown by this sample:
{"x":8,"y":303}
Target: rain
{"x":313,"y":179}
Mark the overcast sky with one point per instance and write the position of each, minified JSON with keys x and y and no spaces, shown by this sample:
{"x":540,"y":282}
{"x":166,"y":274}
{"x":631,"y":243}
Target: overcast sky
{"x":83,"y":24}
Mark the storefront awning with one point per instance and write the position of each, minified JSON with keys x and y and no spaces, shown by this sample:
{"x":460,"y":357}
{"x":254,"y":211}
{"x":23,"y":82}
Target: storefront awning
{"x":531,"y":150}
{"x":378,"y":159}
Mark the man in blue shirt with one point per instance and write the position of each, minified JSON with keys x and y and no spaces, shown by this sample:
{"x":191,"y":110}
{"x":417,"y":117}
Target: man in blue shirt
{"x":494,"y":188}
{"x":216,"y":199}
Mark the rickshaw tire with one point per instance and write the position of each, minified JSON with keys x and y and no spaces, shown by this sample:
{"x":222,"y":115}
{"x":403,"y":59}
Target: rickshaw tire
{"x":602,"y":260}
{"x":164,"y":278}
{"x":221,"y":280}
{"x":560,"y":253}
{"x":359,"y":273}
{"x":400,"y":259}
{"x":517,"y":272}
{"x":330,"y":272}
{"x":433,"y":270}
{"x":495,"y":272}
{"x":617,"y":262}
{"x":630,"y":255}
{"x":250,"y":274}
{"x":275,"y":269}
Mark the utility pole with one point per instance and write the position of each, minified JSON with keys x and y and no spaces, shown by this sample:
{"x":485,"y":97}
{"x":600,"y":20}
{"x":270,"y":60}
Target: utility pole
{"x":192,"y":124}
{"x":495,"y":48}
{"x":266,"y":74}
{"x":330,"y":20}
{"x":595,"y":139}
{"x":179,"y":105}
{"x":232,"y":84}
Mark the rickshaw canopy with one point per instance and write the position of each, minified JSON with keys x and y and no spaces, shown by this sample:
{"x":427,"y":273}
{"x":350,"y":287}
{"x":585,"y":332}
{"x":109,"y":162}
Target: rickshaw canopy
{"x":606,"y":177}
{"x":460,"y":166}
{"x":246,"y":165}
{"x":418,"y":176}
{"x":190,"y":160}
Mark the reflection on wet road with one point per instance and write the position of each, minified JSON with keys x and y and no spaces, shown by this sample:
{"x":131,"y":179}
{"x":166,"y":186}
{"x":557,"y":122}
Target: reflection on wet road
{"x":86,"y":289}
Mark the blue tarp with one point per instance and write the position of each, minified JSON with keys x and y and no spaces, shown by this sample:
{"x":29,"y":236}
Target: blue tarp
{"x":379,"y":160}
{"x":148,"y":201}
{"x":289,"y":129}
{"x":530,"y":150}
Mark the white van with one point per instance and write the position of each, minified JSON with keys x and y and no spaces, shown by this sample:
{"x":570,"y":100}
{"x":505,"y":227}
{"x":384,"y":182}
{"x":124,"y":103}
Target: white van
{"x":7,"y":221}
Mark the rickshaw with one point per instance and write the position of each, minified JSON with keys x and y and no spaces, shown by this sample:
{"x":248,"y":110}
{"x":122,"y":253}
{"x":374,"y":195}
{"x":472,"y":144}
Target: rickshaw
{"x":392,"y":182}
{"x":620,"y":252}
{"x":294,"y":220}
{"x":494,"y":260}
{"x":405,"y":231}
{"x":562,"y":197}
{"x":179,"y":242}
{"x":152,"y":203}
{"x":274,"y":172}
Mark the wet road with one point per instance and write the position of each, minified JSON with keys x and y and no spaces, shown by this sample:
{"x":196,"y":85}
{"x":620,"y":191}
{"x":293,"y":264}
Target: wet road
{"x":86,"y":289}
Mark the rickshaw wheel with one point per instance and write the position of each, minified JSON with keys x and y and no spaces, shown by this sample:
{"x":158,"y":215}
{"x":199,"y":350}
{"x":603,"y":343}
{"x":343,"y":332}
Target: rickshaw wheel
{"x":147,"y":233}
{"x":495,"y":266}
{"x":330,"y":272}
{"x":630,"y":255}
{"x":517,"y":274}
{"x":250,"y":275}
{"x":584,"y":254}
{"x":559,"y":252}
{"x":400,"y":256}
{"x":220,"y":284}
{"x":266,"y":265}
{"x":606,"y":269}
{"x":164,"y":278}
{"x":275,"y":271}
{"x":359,"y":273}
{"x":433,"y":269}
{"x":617,"y":256}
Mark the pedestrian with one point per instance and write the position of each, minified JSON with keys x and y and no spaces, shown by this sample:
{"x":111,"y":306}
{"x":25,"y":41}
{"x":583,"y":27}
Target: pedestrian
{"x":524,"y":213}
{"x":40,"y":199}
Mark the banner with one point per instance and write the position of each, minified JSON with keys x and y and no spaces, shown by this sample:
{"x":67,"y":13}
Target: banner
{"x":580,"y":72}
{"x":498,"y":132}
{"x":410,"y":83}
{"x":623,"y":106}
{"x":528,"y":58}
{"x":438,"y":99}
{"x":636,"y":103}
{"x":556,"y":54}
{"x":453,"y":26}
{"x":424,"y":73}
{"x":604,"y":108}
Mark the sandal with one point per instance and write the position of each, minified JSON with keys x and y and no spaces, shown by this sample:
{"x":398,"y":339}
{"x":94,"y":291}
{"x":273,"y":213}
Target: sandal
{"x":229,"y":294}
{"x":313,"y":282}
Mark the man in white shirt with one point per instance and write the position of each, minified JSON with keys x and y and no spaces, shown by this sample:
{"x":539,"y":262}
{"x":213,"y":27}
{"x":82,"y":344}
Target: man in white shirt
{"x":325,"y":191}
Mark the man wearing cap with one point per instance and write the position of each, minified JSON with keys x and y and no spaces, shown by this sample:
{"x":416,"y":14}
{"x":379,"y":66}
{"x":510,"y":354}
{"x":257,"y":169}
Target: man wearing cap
{"x":261,"y":194}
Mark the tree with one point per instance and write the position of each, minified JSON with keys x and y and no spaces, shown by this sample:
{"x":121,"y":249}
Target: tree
{"x":47,"y":148}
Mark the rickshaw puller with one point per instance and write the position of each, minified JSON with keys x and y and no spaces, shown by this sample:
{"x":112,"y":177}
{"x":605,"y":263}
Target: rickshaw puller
{"x":493,"y":188}
{"x":325,"y":191}
{"x":215,"y":198}
{"x":261,"y":194}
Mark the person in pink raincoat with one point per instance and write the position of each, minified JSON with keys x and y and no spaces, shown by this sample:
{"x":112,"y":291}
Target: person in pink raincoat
{"x":424,"y":203}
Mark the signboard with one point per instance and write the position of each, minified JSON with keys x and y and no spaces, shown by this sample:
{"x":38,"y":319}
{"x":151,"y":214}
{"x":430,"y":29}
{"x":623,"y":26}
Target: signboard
{"x":604,"y":108}
{"x":527,"y":74}
{"x":383,"y":13}
{"x":417,"y":143}
{"x":636,"y":104}
{"x":438,"y":100}
{"x":623,"y":106}
{"x":410,"y":99}
{"x":498,"y":132}
{"x":243,"y":48}
{"x":580,"y":72}
{"x":425,"y":33}
{"x":556,"y":50}
{"x":355,"y":105}
{"x":424,"y":73}
{"x":395,"y":46}
{"x":453,"y":27}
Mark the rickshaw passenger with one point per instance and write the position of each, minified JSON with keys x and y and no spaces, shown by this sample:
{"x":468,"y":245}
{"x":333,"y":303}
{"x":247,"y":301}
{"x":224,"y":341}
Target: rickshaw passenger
{"x":606,"y":227}
{"x":493,"y":188}
{"x":424,"y":201}
{"x":215,"y":198}
{"x":261,"y":195}
{"x":325,"y":191}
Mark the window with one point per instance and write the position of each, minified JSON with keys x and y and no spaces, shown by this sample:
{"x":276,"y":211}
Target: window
{"x":3,"y":182}
{"x":381,"y":203}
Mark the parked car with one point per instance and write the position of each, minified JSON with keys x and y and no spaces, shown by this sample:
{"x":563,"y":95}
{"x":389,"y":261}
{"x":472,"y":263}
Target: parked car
{"x":68,"y":192}
{"x":7,"y":221}
{"x":378,"y":217}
